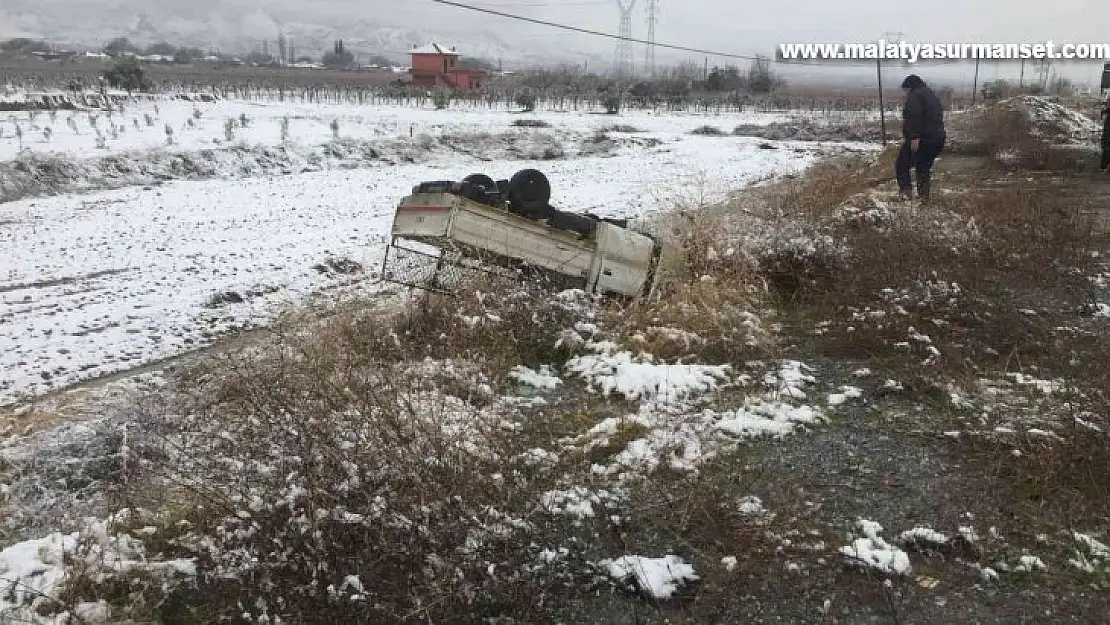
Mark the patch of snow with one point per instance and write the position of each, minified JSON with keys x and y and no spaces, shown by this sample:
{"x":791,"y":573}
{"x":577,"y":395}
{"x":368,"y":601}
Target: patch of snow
{"x":578,"y":501}
{"x":751,"y":505}
{"x":846,"y":393}
{"x":1029,"y":563}
{"x":766,"y":418}
{"x":1091,"y":555}
{"x":545,"y":378}
{"x":32,"y":572}
{"x":681,"y":437}
{"x":658,"y":578}
{"x":923,"y":536}
{"x":871,"y":551}
{"x":609,"y":371}
{"x":969,"y":534}
{"x":32,"y":569}
{"x":1044,"y":386}
{"x":791,"y":379}
{"x":539,"y":456}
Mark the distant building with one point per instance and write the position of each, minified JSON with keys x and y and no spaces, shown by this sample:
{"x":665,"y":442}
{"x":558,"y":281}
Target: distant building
{"x":435,"y":66}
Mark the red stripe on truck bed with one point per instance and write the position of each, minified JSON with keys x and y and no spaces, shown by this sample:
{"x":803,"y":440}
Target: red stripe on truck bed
{"x":417,"y":209}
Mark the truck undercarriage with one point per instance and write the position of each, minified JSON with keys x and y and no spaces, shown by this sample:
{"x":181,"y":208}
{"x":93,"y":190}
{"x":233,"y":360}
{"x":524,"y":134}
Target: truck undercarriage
{"x":447,"y":234}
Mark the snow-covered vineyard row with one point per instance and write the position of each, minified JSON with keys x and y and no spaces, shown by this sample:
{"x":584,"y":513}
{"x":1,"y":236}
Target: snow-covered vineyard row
{"x":143,"y":124}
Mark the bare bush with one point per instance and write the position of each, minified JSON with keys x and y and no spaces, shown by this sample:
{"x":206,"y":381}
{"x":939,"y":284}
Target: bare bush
{"x":442,"y":98}
{"x":530,"y":123}
{"x":708,"y":131}
{"x":360,"y":467}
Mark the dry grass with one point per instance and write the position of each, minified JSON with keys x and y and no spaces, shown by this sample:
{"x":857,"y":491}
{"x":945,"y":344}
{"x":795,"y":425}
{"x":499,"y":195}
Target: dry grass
{"x":824,"y":187}
{"x":838,"y":254}
{"x":623,"y":128}
{"x":1044,"y":485}
{"x":384,"y":417}
{"x":806,"y":129}
{"x":1032,"y":246}
{"x":708,"y":308}
{"x":1005,"y":133}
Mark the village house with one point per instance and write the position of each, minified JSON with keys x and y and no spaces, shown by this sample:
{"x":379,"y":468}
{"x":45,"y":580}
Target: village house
{"x":435,"y":66}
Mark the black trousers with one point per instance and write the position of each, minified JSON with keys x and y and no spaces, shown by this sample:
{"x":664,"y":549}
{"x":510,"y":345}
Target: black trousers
{"x":920,"y":161}
{"x":1106,"y":140}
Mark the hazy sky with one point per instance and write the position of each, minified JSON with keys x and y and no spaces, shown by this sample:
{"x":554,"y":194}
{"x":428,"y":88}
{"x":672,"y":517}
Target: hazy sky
{"x":747,"y":27}
{"x":737,"y":26}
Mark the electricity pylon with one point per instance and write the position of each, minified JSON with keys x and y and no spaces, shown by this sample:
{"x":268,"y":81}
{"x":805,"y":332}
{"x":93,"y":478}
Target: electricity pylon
{"x":649,"y":52}
{"x":623,"y":65}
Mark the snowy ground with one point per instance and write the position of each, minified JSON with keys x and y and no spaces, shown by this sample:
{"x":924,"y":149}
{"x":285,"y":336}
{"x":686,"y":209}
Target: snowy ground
{"x":102,"y":282}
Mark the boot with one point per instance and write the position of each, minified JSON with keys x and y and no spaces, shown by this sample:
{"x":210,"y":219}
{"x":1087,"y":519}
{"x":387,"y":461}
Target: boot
{"x":924,"y":186}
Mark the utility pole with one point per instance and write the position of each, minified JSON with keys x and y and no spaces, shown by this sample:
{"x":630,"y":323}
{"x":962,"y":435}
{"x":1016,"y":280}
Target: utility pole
{"x":882,"y":107}
{"x":975,"y":83}
{"x":888,"y":37}
{"x":1021,"y":79}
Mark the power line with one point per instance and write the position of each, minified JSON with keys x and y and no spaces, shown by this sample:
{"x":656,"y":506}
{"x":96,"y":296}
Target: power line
{"x":598,"y":33}
{"x":550,"y":5}
{"x":541,"y":3}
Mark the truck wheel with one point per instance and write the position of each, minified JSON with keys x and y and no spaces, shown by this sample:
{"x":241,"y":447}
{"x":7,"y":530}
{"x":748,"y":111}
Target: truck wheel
{"x":481,"y":188}
{"x":482,"y":182}
{"x":530,"y":192}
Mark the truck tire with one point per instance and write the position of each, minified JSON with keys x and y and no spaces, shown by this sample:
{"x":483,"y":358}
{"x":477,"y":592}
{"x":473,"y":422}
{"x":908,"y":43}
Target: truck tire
{"x":481,"y":182}
{"x":482,"y":188}
{"x":529,"y":194}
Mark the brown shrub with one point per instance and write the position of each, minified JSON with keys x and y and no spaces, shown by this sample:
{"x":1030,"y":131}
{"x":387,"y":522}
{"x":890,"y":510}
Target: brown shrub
{"x":1055,"y":482}
{"x":530,"y":123}
{"x":1007,"y":133}
{"x":708,"y":131}
{"x":362,"y":445}
{"x":865,"y":273}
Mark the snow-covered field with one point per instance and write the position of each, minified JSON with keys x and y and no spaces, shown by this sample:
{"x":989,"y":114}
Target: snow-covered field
{"x":198,"y":125}
{"x":106,"y":281}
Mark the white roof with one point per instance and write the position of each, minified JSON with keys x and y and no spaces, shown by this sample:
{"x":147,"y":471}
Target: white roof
{"x":434,"y":48}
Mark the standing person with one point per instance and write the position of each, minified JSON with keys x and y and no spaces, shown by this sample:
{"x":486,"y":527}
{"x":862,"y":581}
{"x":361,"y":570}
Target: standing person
{"x":923,"y":134}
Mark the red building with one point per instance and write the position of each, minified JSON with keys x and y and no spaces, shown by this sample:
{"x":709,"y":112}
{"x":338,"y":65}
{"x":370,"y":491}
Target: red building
{"x":435,"y":66}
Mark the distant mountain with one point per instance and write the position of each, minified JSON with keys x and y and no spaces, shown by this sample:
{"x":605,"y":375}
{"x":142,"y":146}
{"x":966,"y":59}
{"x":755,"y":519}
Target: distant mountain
{"x":384,"y":27}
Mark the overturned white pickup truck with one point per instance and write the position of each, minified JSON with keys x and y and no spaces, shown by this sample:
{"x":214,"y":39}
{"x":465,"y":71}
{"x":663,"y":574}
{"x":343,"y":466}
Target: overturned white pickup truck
{"x":447,"y":231}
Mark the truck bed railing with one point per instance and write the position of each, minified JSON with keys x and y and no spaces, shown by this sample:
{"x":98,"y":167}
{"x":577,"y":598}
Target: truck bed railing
{"x":441,"y":273}
{"x":451,"y":271}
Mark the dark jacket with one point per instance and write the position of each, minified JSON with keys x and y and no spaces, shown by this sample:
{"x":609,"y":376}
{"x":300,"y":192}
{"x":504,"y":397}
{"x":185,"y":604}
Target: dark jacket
{"x":923,"y":115}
